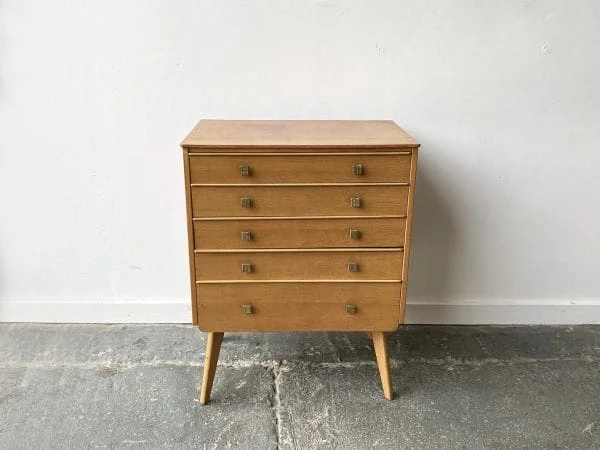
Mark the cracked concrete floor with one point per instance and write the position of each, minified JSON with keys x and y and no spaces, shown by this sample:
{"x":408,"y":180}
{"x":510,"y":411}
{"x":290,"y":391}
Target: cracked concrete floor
{"x":121,"y":386}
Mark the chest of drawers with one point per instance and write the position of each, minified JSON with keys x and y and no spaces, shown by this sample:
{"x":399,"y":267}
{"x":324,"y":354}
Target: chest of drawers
{"x":298,"y":226}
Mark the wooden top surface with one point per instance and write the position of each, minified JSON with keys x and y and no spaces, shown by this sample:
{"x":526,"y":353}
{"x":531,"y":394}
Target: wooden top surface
{"x":288,"y":134}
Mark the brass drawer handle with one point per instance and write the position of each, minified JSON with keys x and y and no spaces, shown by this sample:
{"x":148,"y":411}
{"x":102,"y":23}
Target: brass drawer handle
{"x":355,"y":202}
{"x":247,"y":309}
{"x":358,"y":169}
{"x":246,"y":268}
{"x":350,"y":309}
{"x":246,"y":235}
{"x":244,"y":170}
{"x":355,"y":234}
{"x":353,"y":267}
{"x":246,"y":202}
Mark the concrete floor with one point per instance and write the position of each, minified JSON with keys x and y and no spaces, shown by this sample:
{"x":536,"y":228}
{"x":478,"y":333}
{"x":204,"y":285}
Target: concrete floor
{"x":120,"y":386}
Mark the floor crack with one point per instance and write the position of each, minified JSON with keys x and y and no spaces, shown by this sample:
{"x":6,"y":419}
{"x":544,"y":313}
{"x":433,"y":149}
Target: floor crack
{"x":276,"y":368}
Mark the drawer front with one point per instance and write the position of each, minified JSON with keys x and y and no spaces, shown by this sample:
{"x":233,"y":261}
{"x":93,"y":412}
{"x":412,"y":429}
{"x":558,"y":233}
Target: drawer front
{"x":206,"y":169}
{"x":255,"y":201}
{"x":299,"y":233}
{"x":298,"y":306}
{"x":304,"y":265}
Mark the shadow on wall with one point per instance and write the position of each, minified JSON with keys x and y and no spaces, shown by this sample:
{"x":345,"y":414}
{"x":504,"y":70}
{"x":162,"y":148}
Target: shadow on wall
{"x":2,"y":289}
{"x":433,"y":246}
{"x":2,"y":155}
{"x":2,"y":52}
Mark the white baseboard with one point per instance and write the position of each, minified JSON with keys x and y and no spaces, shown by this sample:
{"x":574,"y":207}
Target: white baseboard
{"x":471,"y":312}
{"x":100,"y":311}
{"x":505,"y":312}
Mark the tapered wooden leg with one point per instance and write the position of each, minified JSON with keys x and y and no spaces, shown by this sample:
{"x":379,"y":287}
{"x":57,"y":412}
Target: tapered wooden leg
{"x":213,"y":346}
{"x":383,"y":363}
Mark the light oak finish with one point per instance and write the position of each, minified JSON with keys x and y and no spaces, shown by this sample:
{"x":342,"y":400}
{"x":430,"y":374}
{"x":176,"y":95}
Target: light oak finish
{"x":383,"y":363}
{"x":299,"y":233}
{"x":190,"y":229}
{"x":213,"y":347}
{"x":298,"y":168}
{"x":408,"y":232}
{"x":299,"y":226}
{"x":290,"y":265}
{"x":298,"y":306}
{"x":298,"y":201}
{"x":315,"y":135}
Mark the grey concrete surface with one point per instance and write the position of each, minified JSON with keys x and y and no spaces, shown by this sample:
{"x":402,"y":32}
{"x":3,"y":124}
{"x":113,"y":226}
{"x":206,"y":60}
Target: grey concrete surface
{"x":136,"y":386}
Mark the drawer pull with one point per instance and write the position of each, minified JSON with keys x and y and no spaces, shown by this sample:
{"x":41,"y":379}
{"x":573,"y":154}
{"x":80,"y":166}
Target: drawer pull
{"x":246,"y":268}
{"x":355,"y":202}
{"x":244,"y":170}
{"x":246,"y":235}
{"x":350,"y":309}
{"x":246,"y":202}
{"x":353,"y":267}
{"x":247,"y":309}
{"x":355,"y":234}
{"x":358,"y":169}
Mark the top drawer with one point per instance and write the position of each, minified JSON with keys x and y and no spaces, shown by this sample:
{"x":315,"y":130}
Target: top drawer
{"x":290,"y":168}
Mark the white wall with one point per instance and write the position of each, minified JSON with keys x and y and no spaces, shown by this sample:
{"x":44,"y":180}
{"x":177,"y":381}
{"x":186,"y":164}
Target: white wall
{"x":504,"y":97}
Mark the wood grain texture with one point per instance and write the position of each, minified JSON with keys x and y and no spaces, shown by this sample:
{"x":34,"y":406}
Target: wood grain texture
{"x":209,"y":135}
{"x":293,"y":265}
{"x":190,"y":230}
{"x":408,"y":233}
{"x":213,"y":347}
{"x":299,"y":233}
{"x":383,"y":363}
{"x":298,"y":307}
{"x":299,"y":168}
{"x":298,"y":201}
{"x":300,"y":184}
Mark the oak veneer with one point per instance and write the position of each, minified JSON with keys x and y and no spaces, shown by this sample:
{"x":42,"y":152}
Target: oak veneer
{"x":299,"y":233}
{"x":310,"y":306}
{"x":299,"y":168}
{"x":286,"y":201}
{"x":297,"y":135}
{"x":276,"y":242}
{"x":373,"y":264}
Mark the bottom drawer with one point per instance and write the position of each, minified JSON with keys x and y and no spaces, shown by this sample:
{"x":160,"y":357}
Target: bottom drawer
{"x":277,"y":306}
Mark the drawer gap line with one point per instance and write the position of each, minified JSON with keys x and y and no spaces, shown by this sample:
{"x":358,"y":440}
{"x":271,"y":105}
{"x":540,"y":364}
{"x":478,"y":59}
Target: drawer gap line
{"x":293,"y":281}
{"x":299,"y":249}
{"x":298,"y":217}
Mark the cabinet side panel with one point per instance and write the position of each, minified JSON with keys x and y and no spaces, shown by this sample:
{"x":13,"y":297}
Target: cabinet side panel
{"x":190,"y":228}
{"x":407,"y":235}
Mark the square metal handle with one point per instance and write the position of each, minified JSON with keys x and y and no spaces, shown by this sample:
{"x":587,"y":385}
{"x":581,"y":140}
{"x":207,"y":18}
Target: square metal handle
{"x":353,"y":267}
{"x":355,"y":202}
{"x":246,"y":235}
{"x":246,"y":268}
{"x":350,"y":309}
{"x":358,"y":169}
{"x":247,"y":309}
{"x":355,"y":234}
{"x":244,"y":170}
{"x":246,"y":202}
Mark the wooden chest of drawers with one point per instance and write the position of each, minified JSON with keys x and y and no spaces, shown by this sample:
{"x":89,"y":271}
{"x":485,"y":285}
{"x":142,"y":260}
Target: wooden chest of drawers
{"x":298,"y":226}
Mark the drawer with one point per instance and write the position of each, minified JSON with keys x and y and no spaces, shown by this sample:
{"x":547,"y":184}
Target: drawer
{"x":299,"y":233}
{"x":298,"y":306}
{"x":207,"y":169}
{"x":366,"y":264}
{"x":256,"y":201}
